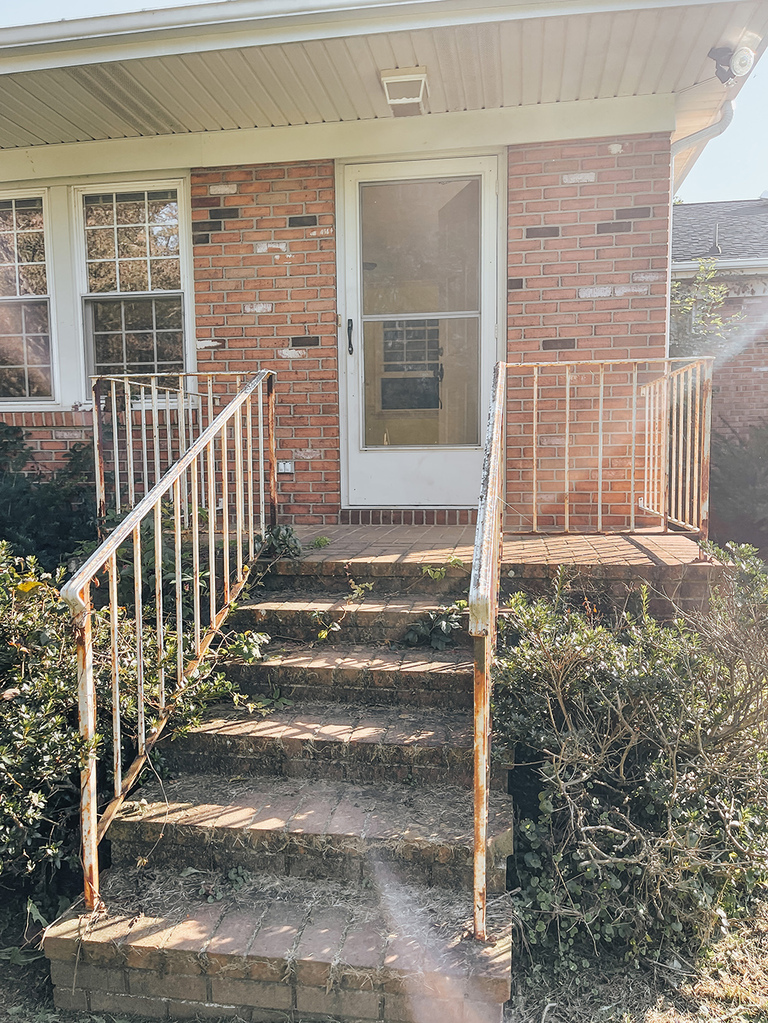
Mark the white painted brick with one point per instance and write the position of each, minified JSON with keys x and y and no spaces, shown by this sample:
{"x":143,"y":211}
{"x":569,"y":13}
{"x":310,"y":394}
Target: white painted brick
{"x":224,"y":188}
{"x":68,"y":434}
{"x":292,"y":353}
{"x":271,"y":246}
{"x":649,"y":275}
{"x":579,"y":178}
{"x":287,"y":257}
{"x":621,"y":290}
{"x":307,"y":454}
{"x":258,"y":307}
{"x":208,"y":342}
{"x":600,"y":291}
{"x":320,"y":232}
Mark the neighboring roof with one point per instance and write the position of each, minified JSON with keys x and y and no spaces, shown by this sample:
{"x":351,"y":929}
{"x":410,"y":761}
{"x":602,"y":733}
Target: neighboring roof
{"x":741,"y":228}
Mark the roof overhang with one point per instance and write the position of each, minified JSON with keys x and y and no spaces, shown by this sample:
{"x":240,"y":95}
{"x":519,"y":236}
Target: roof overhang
{"x":312,"y":68}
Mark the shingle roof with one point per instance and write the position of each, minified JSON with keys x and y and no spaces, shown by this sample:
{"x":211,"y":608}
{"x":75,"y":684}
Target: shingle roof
{"x":741,"y":227}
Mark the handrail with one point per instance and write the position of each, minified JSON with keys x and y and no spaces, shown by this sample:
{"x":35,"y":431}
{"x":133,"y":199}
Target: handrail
{"x":673,"y":432}
{"x":483,"y":609}
{"x":236,"y":503}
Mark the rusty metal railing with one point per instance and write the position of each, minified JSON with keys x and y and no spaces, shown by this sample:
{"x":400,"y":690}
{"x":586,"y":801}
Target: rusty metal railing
{"x":642,"y":430}
{"x":678,"y":414}
{"x":609,"y":446}
{"x":143,"y":423}
{"x":483,"y":612}
{"x":210,"y":506}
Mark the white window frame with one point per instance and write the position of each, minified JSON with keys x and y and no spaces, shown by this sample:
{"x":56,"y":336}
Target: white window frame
{"x":181,"y":185}
{"x":42,"y":403}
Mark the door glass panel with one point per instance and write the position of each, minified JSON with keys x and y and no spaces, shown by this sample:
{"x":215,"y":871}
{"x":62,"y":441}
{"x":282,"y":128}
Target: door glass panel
{"x":420,"y":246}
{"x":421,"y":381}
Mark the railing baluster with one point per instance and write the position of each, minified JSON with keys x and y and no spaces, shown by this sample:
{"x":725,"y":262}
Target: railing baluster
{"x":155,"y":429}
{"x":225,"y":514}
{"x":680,"y":467}
{"x":129,"y":445}
{"x":168,"y":429}
{"x":116,"y":449}
{"x":633,"y":454}
{"x":178,"y":577}
{"x":99,"y":454}
{"x":249,"y":455}
{"x":182,"y":440}
{"x":144,"y":457}
{"x":566,"y":456}
{"x":86,"y":703}
{"x":262,"y":499}
{"x":239,"y":489}
{"x":139,"y":620}
{"x":117,"y":769}
{"x":535,"y":456}
{"x":696,"y":509}
{"x":211,"y":529}
{"x":159,"y":613}
{"x":600,"y":449}
{"x":195,"y":556}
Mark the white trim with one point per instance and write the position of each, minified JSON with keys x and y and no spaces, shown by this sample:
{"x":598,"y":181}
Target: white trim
{"x":52,"y":401}
{"x":375,"y":139}
{"x":349,"y":174}
{"x":238,"y":23}
{"x":758,"y":264}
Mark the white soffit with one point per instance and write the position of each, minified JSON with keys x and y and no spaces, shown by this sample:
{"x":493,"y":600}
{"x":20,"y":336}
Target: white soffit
{"x":509,"y":64}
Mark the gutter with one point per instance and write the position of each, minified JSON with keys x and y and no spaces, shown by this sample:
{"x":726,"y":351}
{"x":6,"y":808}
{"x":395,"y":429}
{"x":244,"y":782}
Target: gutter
{"x":699,"y":138}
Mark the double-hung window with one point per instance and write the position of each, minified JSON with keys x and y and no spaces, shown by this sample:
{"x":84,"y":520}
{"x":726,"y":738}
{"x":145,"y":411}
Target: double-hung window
{"x":26,"y":363}
{"x":134,"y":304}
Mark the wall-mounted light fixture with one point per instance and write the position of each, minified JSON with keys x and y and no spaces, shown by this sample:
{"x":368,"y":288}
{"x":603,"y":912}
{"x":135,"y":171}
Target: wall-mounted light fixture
{"x":730,"y":64}
{"x":406,"y":90}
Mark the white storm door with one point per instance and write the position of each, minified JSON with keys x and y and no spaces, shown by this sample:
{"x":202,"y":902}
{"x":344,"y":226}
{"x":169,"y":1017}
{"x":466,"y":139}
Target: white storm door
{"x":418,"y":330}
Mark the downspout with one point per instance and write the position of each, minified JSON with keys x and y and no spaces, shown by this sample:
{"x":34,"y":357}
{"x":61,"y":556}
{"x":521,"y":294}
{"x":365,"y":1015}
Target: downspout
{"x":711,"y":132}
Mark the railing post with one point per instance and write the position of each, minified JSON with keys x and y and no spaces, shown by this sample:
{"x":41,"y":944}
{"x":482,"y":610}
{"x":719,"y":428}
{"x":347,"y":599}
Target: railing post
{"x":482,"y":645}
{"x":664,"y":430}
{"x":98,"y":456}
{"x":86,"y":701}
{"x":272,"y":450}
{"x":706,"y":444}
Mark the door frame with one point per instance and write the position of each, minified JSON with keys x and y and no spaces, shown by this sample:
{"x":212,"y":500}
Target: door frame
{"x":348,"y":290}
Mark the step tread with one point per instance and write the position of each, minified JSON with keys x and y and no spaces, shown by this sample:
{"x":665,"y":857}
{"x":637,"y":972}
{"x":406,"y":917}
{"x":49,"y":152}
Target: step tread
{"x":392,"y":938}
{"x":343,"y":724}
{"x":365,"y":657}
{"x":441,"y":815}
{"x":325,"y":603}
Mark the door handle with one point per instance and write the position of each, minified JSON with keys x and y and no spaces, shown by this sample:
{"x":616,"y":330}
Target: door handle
{"x":350,"y":347}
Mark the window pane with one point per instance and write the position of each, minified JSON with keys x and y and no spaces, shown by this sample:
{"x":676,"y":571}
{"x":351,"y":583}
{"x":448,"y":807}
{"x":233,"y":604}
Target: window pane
{"x":25,"y":350}
{"x":124,"y":230}
{"x":29,"y":214}
{"x":32,"y":279}
{"x":6,"y":215}
{"x":30,"y":247}
{"x":8,"y":281}
{"x":22,"y":248}
{"x":7,"y":248}
{"x":128,"y":335}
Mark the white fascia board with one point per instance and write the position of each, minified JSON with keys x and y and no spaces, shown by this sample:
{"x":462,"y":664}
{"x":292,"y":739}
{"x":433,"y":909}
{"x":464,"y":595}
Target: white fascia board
{"x":360,"y":140}
{"x":242,"y":23}
{"x":684,"y":268}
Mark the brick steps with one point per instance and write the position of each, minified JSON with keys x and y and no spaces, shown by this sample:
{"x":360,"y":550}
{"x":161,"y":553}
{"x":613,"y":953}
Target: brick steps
{"x":332,"y":742}
{"x":378,"y":618}
{"x":356,"y":674}
{"x":312,"y":829}
{"x":271,"y":952}
{"x":386,"y":570}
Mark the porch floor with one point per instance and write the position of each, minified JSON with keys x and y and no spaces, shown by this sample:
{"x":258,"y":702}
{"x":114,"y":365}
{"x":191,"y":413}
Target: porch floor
{"x":436,"y":545}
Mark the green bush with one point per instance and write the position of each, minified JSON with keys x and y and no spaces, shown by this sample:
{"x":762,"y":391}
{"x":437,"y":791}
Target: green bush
{"x":45,"y":515}
{"x":40,"y":749}
{"x":644,"y":819}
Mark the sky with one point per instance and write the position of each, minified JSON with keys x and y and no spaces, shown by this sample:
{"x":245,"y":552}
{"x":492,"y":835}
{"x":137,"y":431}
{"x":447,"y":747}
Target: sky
{"x":735,"y":164}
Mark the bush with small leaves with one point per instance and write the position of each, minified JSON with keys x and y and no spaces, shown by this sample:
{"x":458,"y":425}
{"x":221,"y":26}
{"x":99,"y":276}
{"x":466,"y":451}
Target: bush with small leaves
{"x":641,"y":753}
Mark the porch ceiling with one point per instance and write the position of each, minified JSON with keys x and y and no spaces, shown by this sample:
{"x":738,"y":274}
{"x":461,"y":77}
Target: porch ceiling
{"x":502,"y":64}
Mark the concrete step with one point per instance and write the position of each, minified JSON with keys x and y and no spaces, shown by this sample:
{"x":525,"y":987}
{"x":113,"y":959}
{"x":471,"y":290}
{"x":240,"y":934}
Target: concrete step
{"x":355,"y":674}
{"x":386,"y":569}
{"x":377,"y":618}
{"x":332,"y":742}
{"x":267,"y":949}
{"x":312,"y":829}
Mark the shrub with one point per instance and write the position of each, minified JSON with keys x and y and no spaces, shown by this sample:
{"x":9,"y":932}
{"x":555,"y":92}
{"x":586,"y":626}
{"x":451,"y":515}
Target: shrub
{"x":45,"y":515}
{"x":40,"y":749}
{"x":644,"y":748}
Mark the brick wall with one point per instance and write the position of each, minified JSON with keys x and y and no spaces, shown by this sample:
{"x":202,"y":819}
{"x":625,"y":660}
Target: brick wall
{"x":265,"y":297}
{"x":588,"y":232}
{"x":587,"y":238}
{"x":740,"y":383}
{"x":50,"y":435}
